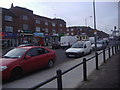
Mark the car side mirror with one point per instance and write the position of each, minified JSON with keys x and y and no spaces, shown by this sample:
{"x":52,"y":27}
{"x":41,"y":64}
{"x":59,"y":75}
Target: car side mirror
{"x":27,"y":57}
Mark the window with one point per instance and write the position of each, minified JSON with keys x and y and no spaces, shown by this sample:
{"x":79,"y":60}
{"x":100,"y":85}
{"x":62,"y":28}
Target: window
{"x":46,"y":23}
{"x":15,"y":53}
{"x":72,"y":33}
{"x":46,"y":30}
{"x":33,"y":52}
{"x":80,"y":29}
{"x":67,"y":29}
{"x":53,"y":24}
{"x":25,"y":17}
{"x":8,"y":18}
{"x":68,"y":34}
{"x":42,"y":51}
{"x":37,"y":29}
{"x":61,"y":30}
{"x":8,"y":28}
{"x":54,"y":31}
{"x":61,"y":25}
{"x":25,"y":26}
{"x":72,"y":29}
{"x":37,"y":21}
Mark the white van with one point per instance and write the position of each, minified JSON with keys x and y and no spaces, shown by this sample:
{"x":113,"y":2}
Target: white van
{"x":79,"y":49}
{"x":67,"y":41}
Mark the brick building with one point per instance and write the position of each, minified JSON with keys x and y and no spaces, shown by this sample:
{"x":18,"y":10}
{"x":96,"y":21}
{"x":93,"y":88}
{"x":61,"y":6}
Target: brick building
{"x":84,"y":32}
{"x":21,"y":24}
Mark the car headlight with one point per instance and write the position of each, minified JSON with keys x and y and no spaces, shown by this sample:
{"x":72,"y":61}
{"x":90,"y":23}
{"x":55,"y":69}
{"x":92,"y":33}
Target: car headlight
{"x":2,"y":68}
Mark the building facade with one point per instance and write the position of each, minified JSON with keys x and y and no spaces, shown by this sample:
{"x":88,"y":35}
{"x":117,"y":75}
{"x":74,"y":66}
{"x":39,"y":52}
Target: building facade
{"x":21,"y":24}
{"x":84,"y":32}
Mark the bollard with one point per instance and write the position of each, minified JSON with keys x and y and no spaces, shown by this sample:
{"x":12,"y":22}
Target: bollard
{"x":112,"y":50}
{"x":59,"y":79}
{"x":104,"y":55}
{"x":96,"y":55}
{"x":115,"y":49}
{"x":84,"y":70}
{"x":109,"y":52}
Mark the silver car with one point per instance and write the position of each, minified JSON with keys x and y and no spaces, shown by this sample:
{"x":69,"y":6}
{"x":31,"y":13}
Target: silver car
{"x":100,"y":45}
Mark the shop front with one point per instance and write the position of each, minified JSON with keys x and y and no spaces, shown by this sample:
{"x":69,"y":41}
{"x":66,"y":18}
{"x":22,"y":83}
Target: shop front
{"x":39,"y":39}
{"x":10,"y":39}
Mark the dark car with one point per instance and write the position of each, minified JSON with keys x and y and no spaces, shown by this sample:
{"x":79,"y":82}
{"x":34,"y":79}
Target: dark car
{"x":26,"y":59}
{"x":56,"y":45}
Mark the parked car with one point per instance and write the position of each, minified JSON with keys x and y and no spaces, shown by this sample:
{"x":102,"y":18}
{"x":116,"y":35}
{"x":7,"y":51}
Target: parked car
{"x":100,"y":45}
{"x":26,"y":59}
{"x":25,"y":45}
{"x":25,"y":42}
{"x":56,"y":45}
{"x":79,"y":49}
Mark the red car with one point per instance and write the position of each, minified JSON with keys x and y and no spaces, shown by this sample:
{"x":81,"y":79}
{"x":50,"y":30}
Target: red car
{"x":26,"y":59}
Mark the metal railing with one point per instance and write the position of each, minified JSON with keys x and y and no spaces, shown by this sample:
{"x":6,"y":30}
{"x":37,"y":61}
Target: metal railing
{"x":59,"y":72}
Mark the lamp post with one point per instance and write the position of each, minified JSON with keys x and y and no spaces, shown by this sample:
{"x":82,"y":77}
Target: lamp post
{"x":86,"y":20}
{"x":95,"y":35}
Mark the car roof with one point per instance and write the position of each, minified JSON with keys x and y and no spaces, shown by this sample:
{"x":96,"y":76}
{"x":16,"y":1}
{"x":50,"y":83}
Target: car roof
{"x":29,"y":47}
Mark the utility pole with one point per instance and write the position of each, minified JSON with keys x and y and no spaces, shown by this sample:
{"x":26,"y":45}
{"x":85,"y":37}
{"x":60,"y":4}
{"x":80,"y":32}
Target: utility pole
{"x":95,"y":31}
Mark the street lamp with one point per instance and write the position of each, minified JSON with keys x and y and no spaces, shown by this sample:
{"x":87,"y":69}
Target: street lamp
{"x":95,"y":35}
{"x":86,"y":20}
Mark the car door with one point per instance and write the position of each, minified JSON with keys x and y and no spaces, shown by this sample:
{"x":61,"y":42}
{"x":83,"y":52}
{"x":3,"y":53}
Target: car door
{"x":44,"y":57}
{"x":31,"y":60}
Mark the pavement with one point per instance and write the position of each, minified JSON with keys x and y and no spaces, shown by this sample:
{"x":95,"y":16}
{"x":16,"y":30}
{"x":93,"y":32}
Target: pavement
{"x":106,"y":77}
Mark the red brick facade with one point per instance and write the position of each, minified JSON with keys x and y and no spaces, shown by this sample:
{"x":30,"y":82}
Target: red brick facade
{"x":21,"y":23}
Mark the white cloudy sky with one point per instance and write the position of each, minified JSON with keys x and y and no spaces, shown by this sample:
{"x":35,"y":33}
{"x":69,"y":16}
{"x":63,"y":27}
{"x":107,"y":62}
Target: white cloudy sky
{"x":74,"y":12}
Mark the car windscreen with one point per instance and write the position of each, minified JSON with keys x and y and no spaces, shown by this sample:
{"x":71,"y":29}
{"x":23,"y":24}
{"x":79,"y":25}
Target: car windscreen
{"x":77,"y":45}
{"x":15,"y":53}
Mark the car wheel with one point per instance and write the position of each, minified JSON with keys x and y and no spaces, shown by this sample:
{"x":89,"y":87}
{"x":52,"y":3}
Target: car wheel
{"x":50,"y":63}
{"x":16,"y":73}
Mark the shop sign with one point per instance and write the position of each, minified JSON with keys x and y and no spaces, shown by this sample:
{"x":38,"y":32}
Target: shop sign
{"x":2,"y":34}
{"x":9,"y":35}
{"x":27,"y":31}
{"x":55,"y":34}
{"x":38,"y":34}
